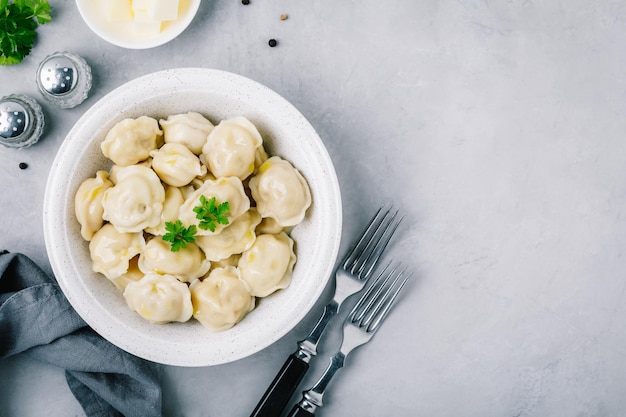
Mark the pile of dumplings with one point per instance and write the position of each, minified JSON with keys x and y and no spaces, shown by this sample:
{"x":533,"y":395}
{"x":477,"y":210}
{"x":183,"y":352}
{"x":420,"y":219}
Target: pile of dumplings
{"x":160,"y":169}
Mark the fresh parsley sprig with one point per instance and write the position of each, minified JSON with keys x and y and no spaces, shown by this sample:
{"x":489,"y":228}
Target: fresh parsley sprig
{"x":210,"y":213}
{"x":179,"y":235}
{"x":18,"y":27}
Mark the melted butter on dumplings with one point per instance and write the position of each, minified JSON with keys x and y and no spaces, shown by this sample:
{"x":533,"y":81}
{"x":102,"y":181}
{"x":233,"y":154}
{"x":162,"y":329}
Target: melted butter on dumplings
{"x":268,"y":264}
{"x":221,"y":300}
{"x":189,"y":129}
{"x":111,"y":250}
{"x":186,"y":264}
{"x":173,"y":200}
{"x":136,"y":200}
{"x":159,"y":298}
{"x":225,"y":189}
{"x":234,"y":239}
{"x":231,"y":148}
{"x":131,"y":140}
{"x":176,"y":165}
{"x":280,"y":192}
{"x":88,"y":203}
{"x":158,"y":177}
{"x":133,"y":274}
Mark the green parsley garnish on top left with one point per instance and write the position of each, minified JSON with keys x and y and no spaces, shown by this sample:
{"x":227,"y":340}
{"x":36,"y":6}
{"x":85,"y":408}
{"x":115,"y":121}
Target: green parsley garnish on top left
{"x":18,"y":27}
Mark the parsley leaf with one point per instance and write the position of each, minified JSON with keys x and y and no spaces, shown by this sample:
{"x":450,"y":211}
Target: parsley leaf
{"x":18,"y":27}
{"x":210,"y":213}
{"x":179,"y":235}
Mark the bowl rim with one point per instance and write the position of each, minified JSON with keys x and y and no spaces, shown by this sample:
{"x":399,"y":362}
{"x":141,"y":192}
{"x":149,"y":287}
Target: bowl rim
{"x":57,"y":239}
{"x":163,"y":38}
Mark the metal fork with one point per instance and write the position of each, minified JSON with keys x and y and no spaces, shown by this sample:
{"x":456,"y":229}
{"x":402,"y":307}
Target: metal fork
{"x":360,"y":326}
{"x":350,"y":277}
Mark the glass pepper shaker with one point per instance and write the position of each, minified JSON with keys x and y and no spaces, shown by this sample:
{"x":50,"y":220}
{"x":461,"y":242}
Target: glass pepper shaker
{"x":21,"y":121}
{"x":64,"y":79}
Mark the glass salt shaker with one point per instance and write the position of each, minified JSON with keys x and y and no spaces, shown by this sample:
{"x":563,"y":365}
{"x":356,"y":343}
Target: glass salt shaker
{"x":64,"y":79}
{"x":21,"y":121}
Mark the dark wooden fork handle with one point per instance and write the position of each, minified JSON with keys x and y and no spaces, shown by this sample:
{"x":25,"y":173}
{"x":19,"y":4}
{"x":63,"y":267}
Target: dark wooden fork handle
{"x":278,"y":394}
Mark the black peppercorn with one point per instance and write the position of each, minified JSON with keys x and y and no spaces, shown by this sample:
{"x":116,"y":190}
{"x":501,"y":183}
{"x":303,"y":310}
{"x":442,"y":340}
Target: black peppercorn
{"x":272,"y":42}
{"x":23,"y":165}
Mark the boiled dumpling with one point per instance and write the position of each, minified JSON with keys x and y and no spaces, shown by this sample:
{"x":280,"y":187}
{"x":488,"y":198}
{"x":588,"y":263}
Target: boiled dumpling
{"x":268,"y":264}
{"x":88,"y":203}
{"x":199,"y":181}
{"x":232,"y":260}
{"x":173,"y":200}
{"x":230,"y":149}
{"x":260,"y":157}
{"x":221,"y":300}
{"x":189,"y":129}
{"x":131,"y":140}
{"x":269,"y":225}
{"x":118,"y":168}
{"x":227,"y":189}
{"x":187,"y":263}
{"x":133,"y":274}
{"x":111,"y":250}
{"x":159,"y":298}
{"x":280,"y":192}
{"x":136,"y":200}
{"x":176,"y":165}
{"x":234,"y":239}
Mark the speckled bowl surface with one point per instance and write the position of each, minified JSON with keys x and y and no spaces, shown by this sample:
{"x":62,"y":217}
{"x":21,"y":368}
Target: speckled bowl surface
{"x":217,"y":95}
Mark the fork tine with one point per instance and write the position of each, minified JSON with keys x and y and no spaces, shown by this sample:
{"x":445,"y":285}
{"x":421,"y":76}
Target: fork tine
{"x":380,"y":244}
{"x":357,"y":249}
{"x":366,"y":300}
{"x":374,"y":305}
{"x":364,"y":256}
{"x":385,"y":306}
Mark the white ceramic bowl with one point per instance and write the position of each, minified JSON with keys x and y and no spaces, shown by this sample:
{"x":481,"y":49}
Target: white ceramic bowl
{"x":217,"y":95}
{"x":121,"y":33}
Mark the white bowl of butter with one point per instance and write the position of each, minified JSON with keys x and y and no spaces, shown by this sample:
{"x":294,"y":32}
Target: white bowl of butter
{"x":138,"y":24}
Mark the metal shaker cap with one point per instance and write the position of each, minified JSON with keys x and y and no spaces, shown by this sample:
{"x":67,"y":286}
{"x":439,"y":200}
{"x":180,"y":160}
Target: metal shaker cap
{"x":14,"y":119}
{"x":64,"y":79}
{"x":21,"y":121}
{"x":58,"y":75}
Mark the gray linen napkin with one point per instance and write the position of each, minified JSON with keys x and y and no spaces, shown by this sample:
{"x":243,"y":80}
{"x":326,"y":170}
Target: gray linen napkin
{"x":37,"y":320}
